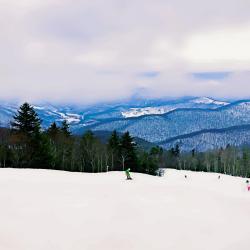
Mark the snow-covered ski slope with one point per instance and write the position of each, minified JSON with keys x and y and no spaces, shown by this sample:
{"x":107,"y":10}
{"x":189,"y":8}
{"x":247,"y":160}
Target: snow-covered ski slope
{"x":53,"y":210}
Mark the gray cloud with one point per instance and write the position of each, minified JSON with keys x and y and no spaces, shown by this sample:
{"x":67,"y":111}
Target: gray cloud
{"x":88,"y":51}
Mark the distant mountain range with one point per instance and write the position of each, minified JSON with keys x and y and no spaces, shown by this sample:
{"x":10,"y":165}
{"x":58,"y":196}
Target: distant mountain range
{"x":194,"y":122}
{"x":84,"y":116}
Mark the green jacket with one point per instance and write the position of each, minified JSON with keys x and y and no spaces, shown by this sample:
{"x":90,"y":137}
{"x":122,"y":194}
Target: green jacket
{"x":127,"y":172}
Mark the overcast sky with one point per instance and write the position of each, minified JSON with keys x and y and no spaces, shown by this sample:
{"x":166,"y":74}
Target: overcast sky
{"x":100,"y":50}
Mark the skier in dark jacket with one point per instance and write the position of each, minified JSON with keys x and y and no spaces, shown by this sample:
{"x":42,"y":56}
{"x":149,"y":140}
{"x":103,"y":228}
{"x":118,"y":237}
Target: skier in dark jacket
{"x":248,"y":185}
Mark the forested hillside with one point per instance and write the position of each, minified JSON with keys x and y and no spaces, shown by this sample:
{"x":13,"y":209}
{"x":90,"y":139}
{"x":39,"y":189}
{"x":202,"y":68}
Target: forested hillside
{"x":156,"y":128}
{"x":211,"y":139}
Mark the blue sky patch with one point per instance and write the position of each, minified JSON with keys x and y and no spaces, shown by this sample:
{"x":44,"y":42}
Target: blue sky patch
{"x":211,"y":75}
{"x":149,"y":74}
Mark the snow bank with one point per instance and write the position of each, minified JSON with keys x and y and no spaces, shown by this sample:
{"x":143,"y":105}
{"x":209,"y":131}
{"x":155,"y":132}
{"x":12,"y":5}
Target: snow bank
{"x":52,"y":210}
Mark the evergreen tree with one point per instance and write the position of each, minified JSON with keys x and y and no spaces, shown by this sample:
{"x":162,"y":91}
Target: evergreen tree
{"x":148,"y":164}
{"x":56,"y":141}
{"x":53,"y":130}
{"x":114,"y":141}
{"x":65,"y":128}
{"x":128,"y":152}
{"x":193,"y":152}
{"x":26,"y":121}
{"x":177,"y":150}
{"x":173,"y":159}
{"x":41,"y":152}
{"x":33,"y":148}
{"x":156,"y":150}
{"x":66,"y":142}
{"x":157,"y":153}
{"x":114,"y":150}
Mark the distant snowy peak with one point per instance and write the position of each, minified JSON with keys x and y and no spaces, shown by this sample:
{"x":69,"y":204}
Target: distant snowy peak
{"x":71,"y":118}
{"x":206,"y":100}
{"x":200,"y":102}
{"x":38,"y":108}
{"x":137,"y":112}
{"x":58,"y":115}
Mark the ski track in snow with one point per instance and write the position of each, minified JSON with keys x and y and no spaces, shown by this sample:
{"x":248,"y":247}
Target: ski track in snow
{"x":55,"y":210}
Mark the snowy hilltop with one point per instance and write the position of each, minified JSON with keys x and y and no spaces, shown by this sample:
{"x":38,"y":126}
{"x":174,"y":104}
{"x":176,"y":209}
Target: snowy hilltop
{"x":199,"y":102}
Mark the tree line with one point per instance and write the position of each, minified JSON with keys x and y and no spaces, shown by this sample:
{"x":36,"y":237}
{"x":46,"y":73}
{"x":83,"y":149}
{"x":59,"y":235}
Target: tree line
{"x":231,"y":160}
{"x":26,"y":145}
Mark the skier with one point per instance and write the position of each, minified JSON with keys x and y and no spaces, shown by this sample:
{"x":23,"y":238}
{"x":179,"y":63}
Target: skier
{"x":127,"y":172}
{"x":219,"y":177}
{"x":248,"y":185}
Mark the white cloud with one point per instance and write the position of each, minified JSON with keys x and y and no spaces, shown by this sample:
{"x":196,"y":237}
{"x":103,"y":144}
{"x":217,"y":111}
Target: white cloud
{"x":225,"y":49}
{"x":87,"y":51}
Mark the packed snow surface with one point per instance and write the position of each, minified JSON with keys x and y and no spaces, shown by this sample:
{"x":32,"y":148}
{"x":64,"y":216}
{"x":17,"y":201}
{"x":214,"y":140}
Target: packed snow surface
{"x":53,"y":210}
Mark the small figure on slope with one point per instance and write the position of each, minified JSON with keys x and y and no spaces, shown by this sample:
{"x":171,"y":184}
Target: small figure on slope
{"x":127,"y":172}
{"x":248,"y":185}
{"x":219,"y":177}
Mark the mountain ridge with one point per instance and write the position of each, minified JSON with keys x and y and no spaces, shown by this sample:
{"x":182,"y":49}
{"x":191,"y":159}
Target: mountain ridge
{"x":154,"y":128}
{"x":210,"y":139}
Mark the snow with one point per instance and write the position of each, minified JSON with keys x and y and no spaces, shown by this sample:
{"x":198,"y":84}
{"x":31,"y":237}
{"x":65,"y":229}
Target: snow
{"x":206,"y":100}
{"x":44,"y":209}
{"x":158,"y":110}
{"x":39,"y":108}
{"x":70,"y":118}
{"x":137,"y":112}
